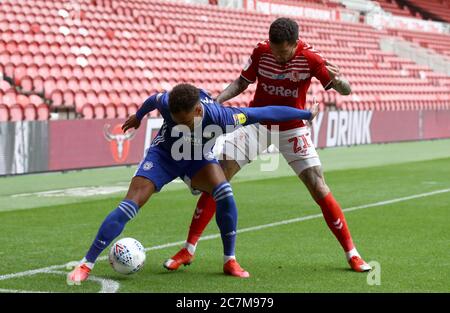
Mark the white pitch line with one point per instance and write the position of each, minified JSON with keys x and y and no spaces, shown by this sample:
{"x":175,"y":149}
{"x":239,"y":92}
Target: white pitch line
{"x":20,"y":291}
{"x":209,"y":237}
{"x":107,"y":285}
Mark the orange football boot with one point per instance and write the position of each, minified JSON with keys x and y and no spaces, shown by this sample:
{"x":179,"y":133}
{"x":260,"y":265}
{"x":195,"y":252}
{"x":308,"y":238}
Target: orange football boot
{"x":232,"y":267}
{"x":358,"y":264}
{"x":78,"y":275}
{"x":183,"y":257}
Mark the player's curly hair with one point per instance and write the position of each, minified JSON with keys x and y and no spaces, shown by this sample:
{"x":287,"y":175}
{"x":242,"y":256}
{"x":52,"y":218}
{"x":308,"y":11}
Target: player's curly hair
{"x":283,"y":29}
{"x":183,"y":98}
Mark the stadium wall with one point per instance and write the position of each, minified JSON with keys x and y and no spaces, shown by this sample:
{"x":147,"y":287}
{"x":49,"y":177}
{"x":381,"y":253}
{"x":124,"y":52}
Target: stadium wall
{"x":75,"y":144}
{"x":343,"y":128}
{"x":39,"y":146}
{"x":23,"y":147}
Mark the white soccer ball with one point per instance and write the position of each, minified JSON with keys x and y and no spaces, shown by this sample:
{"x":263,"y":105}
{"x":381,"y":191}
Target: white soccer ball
{"x":127,"y":256}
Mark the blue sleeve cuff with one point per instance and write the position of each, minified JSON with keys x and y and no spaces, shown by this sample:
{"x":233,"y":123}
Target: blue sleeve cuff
{"x":140,"y":115}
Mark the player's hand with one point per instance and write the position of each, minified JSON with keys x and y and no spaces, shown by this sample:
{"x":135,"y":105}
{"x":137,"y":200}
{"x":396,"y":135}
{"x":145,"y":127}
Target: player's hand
{"x":340,"y":84}
{"x":131,"y":122}
{"x":333,"y":71}
{"x":314,"y":109}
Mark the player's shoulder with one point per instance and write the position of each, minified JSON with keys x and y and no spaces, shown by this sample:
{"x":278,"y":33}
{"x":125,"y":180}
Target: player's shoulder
{"x":209,"y":104}
{"x":161,"y":95}
{"x":161,"y":99}
{"x":205,"y":97}
{"x":308,"y":51}
{"x":262,"y":47}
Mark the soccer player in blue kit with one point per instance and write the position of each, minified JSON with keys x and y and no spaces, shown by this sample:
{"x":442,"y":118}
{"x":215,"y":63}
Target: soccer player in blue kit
{"x":192,"y":108}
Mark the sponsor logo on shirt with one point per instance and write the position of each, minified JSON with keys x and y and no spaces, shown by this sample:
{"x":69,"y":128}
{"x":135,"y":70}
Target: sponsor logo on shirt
{"x":297,"y":76}
{"x":280,"y":91}
{"x":239,"y":119}
{"x":206,"y":100}
{"x":293,"y":76}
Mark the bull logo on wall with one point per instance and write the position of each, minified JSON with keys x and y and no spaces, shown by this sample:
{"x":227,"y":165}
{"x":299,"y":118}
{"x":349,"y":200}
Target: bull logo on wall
{"x":119,"y":142}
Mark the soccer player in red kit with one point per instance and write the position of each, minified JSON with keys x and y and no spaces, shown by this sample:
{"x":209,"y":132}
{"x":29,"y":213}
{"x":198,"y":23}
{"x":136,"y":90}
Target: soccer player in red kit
{"x":283,"y":67}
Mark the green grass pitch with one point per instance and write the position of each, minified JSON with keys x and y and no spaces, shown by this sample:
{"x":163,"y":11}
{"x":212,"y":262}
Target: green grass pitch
{"x":395,"y":219}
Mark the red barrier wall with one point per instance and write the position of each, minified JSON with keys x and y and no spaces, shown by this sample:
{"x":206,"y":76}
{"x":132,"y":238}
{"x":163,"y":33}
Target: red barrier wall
{"x":436,"y":124}
{"x":340,"y":128}
{"x":93,"y":143}
{"x":395,"y":126}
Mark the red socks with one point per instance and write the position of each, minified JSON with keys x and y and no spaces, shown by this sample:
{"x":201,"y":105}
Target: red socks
{"x":332,"y":212}
{"x":206,"y":207}
{"x":335,"y":219}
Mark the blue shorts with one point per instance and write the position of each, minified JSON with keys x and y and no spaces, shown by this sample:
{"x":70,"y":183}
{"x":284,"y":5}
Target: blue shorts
{"x":159,"y":167}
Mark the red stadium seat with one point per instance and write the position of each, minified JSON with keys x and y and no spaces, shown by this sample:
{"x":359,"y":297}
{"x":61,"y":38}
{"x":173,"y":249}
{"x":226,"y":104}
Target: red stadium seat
{"x":43,"y":112}
{"x":103,"y":97}
{"x":4,"y":113}
{"x":57,"y":98}
{"x":16,"y":113}
{"x":4,"y":86}
{"x":22,"y":100}
{"x":27,"y":83}
{"x":111,"y":111}
{"x":99,"y":111}
{"x":121,"y":110}
{"x":132,"y":109}
{"x":61,"y":82}
{"x":44,"y":70}
{"x":36,"y":100}
{"x":9,"y":97}
{"x":88,"y":111}
{"x":114,"y":97}
{"x":80,"y":100}
{"x":30,"y":112}
{"x":73,"y":83}
{"x":19,"y":72}
{"x":91,"y":96}
{"x":49,"y":86}
{"x":38,"y":84}
{"x":69,"y":98}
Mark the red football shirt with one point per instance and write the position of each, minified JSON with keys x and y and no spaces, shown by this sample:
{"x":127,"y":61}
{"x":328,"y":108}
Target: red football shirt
{"x":284,"y":84}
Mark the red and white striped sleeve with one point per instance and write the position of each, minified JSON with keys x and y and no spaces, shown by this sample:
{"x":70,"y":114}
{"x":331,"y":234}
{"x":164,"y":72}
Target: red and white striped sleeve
{"x":250,"y":70}
{"x":318,"y":69}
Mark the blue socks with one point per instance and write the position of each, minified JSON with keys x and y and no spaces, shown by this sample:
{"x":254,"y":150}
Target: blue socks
{"x":114,"y":223}
{"x":226,"y":216}
{"x":111,"y":227}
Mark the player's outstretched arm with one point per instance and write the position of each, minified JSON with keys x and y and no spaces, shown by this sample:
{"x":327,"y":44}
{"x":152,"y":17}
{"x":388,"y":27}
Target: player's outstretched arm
{"x":233,"y":89}
{"x":278,"y":114}
{"x":134,"y":121}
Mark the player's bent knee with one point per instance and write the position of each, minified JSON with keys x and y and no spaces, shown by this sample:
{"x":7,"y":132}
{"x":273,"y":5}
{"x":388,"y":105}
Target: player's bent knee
{"x":321,"y":191}
{"x":313,"y":178}
{"x":230,"y":168}
{"x":140,"y":190}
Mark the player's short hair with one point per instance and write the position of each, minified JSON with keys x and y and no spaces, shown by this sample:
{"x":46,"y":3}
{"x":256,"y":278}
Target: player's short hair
{"x":183,"y":98}
{"x":283,"y":29}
